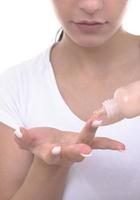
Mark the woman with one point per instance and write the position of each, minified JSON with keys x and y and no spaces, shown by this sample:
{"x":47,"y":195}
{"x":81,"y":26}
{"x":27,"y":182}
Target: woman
{"x":53,"y":96}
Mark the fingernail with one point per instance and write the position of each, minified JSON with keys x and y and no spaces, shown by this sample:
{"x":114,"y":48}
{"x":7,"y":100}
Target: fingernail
{"x":86,"y":155}
{"x":18,"y":133}
{"x":56,"y":150}
{"x":122,"y":150}
{"x":96,"y":123}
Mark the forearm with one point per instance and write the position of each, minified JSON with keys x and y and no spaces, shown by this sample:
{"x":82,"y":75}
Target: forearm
{"x":43,"y":182}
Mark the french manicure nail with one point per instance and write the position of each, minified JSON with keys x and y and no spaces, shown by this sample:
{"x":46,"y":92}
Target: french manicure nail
{"x":121,"y":150}
{"x":18,"y":133}
{"x":86,"y":155}
{"x":56,"y":150}
{"x":96,"y":123}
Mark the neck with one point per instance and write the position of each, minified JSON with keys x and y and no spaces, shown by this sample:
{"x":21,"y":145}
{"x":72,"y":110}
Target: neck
{"x":106,"y":57}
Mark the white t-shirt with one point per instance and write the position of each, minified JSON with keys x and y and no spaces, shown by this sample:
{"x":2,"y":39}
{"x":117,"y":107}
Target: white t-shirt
{"x":29,"y":97}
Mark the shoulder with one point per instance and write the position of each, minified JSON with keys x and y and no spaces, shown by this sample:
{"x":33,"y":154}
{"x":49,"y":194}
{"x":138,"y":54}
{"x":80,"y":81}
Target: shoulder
{"x":28,"y":68}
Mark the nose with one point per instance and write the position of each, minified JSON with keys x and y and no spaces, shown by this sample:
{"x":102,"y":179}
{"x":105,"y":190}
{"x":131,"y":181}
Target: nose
{"x":91,"y":6}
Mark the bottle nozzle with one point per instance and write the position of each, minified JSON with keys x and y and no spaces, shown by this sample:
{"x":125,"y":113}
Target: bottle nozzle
{"x":108,"y":110}
{"x":111,"y":108}
{"x":99,"y":112}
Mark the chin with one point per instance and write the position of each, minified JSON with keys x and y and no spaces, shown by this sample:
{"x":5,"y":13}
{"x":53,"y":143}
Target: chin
{"x":95,"y":39}
{"x":91,"y":40}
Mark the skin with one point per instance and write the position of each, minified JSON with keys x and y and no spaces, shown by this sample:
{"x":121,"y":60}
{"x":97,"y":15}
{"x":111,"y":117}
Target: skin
{"x":99,"y":62}
{"x":41,"y":140}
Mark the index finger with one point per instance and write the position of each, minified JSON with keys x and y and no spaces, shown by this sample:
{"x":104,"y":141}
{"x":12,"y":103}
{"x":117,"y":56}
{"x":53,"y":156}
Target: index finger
{"x":89,"y":130}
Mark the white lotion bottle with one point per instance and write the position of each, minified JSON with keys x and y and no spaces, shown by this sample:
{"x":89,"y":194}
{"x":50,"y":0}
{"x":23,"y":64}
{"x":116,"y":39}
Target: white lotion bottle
{"x":124,"y":104}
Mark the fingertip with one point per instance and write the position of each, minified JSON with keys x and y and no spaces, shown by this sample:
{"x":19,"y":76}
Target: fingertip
{"x":18,"y":133}
{"x":122,"y":148}
{"x":22,"y":133}
{"x":86,"y":155}
{"x":93,"y":123}
{"x":23,"y":130}
{"x":84,"y":149}
{"x":56,"y":150}
{"x":53,"y":155}
{"x":88,"y":125}
{"x":96,"y":123}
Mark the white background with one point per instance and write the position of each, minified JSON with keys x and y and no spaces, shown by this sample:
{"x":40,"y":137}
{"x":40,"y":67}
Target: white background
{"x":27,"y":27}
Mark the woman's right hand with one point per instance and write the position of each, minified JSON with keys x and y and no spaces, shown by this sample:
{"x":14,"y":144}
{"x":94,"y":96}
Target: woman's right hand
{"x":63,"y":148}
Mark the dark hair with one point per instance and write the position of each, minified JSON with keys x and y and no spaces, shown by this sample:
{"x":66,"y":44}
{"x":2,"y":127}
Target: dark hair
{"x":59,"y":35}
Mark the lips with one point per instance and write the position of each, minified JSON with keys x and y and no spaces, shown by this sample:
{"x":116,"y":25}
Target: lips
{"x":90,"y":22}
{"x":90,"y":26}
